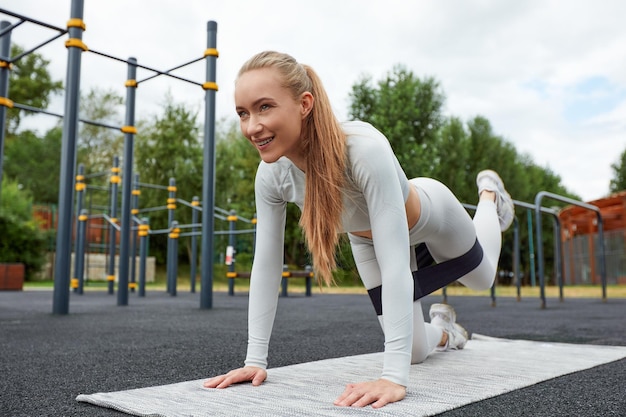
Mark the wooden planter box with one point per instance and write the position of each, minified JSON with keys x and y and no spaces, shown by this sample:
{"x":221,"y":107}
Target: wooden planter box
{"x":11,"y":277}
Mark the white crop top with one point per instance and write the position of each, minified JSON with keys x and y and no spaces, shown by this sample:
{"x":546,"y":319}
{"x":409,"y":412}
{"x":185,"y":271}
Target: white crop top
{"x":374,"y":201}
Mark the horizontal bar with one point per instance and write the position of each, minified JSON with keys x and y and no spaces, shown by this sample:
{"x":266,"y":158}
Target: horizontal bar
{"x":37,"y":22}
{"x":159,"y":72}
{"x":172,"y":69}
{"x":60,"y":116}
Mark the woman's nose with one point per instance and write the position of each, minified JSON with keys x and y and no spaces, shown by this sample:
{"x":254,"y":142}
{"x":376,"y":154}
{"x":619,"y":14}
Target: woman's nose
{"x":254,"y":126}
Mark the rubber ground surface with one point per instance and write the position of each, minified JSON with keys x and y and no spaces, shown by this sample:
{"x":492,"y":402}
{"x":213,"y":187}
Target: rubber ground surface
{"x":46,"y":360}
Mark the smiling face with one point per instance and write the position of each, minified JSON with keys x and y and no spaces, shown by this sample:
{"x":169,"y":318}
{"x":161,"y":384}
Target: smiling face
{"x":270,"y":117}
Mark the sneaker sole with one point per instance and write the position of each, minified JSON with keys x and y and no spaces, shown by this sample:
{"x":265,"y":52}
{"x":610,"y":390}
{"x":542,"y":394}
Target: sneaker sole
{"x":444,"y":310}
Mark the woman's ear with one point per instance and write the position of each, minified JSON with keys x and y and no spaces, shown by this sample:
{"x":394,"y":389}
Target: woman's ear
{"x":306,"y":103}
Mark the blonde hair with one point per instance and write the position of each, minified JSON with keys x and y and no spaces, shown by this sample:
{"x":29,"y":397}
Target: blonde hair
{"x":324,"y":145}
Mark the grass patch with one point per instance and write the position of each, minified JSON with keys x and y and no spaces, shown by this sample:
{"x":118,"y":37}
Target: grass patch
{"x":297,"y":286}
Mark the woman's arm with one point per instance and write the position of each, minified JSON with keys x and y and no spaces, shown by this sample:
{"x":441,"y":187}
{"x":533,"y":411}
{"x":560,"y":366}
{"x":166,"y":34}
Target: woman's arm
{"x":266,"y":270}
{"x":264,"y":282}
{"x":377,"y":173}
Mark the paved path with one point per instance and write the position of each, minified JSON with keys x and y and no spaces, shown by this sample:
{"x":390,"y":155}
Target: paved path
{"x":46,"y":360}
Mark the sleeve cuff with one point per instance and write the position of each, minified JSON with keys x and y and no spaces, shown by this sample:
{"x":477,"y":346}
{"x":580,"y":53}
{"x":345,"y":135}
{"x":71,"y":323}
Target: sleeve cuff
{"x":396,"y":367}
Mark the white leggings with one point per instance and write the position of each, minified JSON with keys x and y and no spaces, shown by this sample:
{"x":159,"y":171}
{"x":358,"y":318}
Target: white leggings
{"x":448,"y":232}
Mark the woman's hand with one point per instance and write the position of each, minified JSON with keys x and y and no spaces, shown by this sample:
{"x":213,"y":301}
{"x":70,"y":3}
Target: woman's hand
{"x":245,"y":374}
{"x":378,"y":393}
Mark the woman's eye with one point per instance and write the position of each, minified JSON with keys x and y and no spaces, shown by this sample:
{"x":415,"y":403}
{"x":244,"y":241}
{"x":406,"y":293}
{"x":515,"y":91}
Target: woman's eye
{"x":264,"y":107}
{"x":241,"y":114}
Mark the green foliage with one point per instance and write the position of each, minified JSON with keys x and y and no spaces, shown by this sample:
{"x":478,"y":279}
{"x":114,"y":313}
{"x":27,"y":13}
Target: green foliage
{"x":408,"y":110}
{"x":98,"y":145}
{"x":618,"y":182}
{"x":452,"y":160}
{"x":33,"y":162}
{"x":22,"y":241}
{"x":169,"y":147}
{"x":30,"y":83}
{"x":235,"y":167}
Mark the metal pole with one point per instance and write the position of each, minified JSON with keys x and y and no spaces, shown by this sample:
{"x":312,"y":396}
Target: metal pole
{"x":531,"y":248}
{"x":540,"y":266}
{"x":143,"y":254}
{"x":230,"y":252}
{"x":309,"y":279}
{"x":602,"y":254}
{"x":81,"y":234}
{"x":171,"y":207}
{"x":283,"y":281}
{"x":5,"y":67}
{"x":173,"y":258}
{"x":79,"y":246}
{"x":516,"y":257}
{"x":208,"y":175}
{"x":75,"y":47}
{"x":254,"y":236}
{"x":538,"y":198}
{"x":129,"y":137}
{"x":114,"y":180}
{"x":169,"y":263}
{"x":194,"y":244}
{"x":133,"y":236}
{"x":558,"y":255}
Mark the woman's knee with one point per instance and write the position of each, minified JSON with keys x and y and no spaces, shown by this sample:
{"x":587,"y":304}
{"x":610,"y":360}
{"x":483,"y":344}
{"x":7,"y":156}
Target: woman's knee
{"x":479,"y":279}
{"x":419,"y":354}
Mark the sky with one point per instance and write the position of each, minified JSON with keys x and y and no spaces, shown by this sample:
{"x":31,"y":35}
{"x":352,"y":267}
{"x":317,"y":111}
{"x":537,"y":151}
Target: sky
{"x":549,"y":75}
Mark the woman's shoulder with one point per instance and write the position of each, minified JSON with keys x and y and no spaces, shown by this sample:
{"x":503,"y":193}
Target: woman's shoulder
{"x":279,"y":180}
{"x":360,"y":128}
{"x":275,"y":172}
{"x":364,"y":140}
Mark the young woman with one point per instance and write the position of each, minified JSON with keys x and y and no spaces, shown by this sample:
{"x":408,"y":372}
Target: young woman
{"x":346,"y":178}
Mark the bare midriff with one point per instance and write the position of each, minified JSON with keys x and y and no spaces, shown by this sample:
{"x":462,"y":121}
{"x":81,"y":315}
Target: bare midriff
{"x":413,"y":210}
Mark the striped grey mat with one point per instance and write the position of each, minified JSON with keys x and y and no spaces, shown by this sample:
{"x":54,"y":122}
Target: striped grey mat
{"x":446,"y":380}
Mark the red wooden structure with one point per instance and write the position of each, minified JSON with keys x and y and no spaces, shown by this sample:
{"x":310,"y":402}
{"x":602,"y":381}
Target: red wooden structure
{"x":97,"y":227}
{"x":577,"y":223}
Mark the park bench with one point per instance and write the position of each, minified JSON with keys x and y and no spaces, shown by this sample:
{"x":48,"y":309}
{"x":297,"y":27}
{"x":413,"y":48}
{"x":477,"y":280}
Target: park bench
{"x":307,"y":274}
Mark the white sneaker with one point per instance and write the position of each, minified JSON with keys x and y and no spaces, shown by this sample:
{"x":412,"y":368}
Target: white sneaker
{"x":490,"y":180}
{"x":444,"y":316}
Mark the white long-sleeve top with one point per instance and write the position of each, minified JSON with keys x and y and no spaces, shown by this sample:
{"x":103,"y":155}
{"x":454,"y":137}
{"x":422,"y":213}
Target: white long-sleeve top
{"x":373,"y":201}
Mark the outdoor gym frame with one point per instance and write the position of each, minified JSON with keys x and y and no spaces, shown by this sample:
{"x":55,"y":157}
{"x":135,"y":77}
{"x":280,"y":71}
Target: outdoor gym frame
{"x":558,"y":253}
{"x":538,"y":199}
{"x":75,"y":48}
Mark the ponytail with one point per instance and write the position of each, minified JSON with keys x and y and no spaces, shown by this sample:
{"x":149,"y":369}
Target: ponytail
{"x":325,"y":146}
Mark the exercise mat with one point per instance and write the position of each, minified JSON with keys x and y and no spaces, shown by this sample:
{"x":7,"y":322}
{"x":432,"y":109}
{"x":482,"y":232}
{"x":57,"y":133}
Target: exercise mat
{"x":446,"y":380}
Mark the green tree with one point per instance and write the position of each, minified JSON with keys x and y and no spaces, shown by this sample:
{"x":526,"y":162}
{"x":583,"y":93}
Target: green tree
{"x":30,"y":83}
{"x":236,"y":164}
{"x":98,"y":145}
{"x":452,"y":161}
{"x":22,"y":241}
{"x":408,"y":110}
{"x":33,"y":162}
{"x":618,"y":182}
{"x":169,"y":147}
